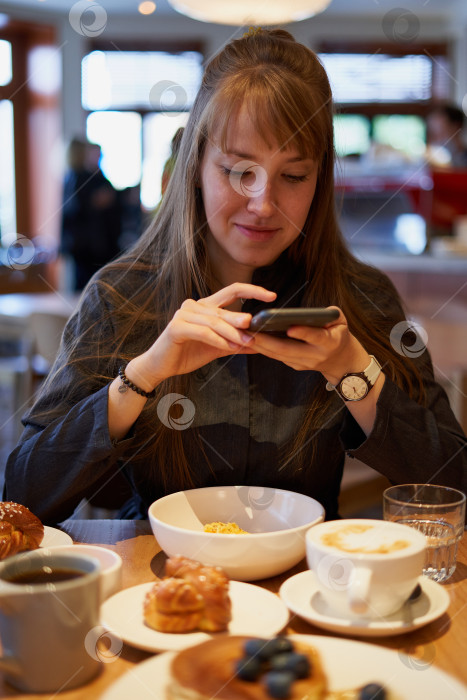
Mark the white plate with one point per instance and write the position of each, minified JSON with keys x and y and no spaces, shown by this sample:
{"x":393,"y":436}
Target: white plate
{"x":302,"y":597}
{"x":347,"y":664}
{"x":254,"y":611}
{"x":54,"y":537}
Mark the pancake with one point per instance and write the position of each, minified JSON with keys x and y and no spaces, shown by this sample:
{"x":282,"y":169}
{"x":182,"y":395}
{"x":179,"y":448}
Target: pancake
{"x":207,"y":671}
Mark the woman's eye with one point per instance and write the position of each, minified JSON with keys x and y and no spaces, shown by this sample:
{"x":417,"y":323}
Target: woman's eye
{"x":245,"y":174}
{"x":296,"y":178}
{"x":236,"y":173}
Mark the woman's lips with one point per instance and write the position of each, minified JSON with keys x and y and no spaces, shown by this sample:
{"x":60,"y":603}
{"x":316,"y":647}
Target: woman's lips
{"x":257,"y":233}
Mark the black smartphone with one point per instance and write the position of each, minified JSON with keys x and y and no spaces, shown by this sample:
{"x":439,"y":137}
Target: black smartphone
{"x":278,"y":320}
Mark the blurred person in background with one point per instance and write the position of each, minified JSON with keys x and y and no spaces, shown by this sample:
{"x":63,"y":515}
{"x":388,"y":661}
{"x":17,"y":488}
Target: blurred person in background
{"x":446,"y":157}
{"x":91,"y":217}
{"x":445,"y":137}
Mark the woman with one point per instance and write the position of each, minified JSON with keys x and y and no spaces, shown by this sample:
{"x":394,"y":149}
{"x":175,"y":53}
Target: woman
{"x":248,"y":222}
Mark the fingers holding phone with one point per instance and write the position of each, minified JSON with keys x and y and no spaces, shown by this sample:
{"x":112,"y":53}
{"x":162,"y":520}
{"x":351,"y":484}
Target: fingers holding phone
{"x":279,"y":321}
{"x":322,"y":337}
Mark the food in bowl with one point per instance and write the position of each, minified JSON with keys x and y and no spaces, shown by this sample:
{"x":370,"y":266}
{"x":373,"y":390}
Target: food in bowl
{"x":276,"y":521}
{"x":20,"y":529}
{"x":190,"y":597}
{"x":225,"y":528}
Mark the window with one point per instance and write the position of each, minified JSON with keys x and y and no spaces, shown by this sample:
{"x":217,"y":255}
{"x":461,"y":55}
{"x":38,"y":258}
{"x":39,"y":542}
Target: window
{"x":158,"y":130}
{"x":354,"y":133}
{"x":45,"y":70}
{"x":149,"y":80}
{"x":403,"y":132}
{"x":137,"y":100}
{"x":6,"y":73}
{"x":378,"y":77}
{"x":7,"y":170}
{"x":119,"y":136}
{"x":7,"y":175}
{"x":351,"y":134}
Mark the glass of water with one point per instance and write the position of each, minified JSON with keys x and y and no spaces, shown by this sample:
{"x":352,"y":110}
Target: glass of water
{"x":438,"y":512}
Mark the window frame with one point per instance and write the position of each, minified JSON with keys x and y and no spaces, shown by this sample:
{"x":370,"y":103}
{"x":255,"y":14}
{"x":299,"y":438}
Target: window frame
{"x":24,"y":37}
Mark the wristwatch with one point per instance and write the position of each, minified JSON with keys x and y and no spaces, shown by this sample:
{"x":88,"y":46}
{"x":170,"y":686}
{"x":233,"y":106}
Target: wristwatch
{"x":354,"y":386}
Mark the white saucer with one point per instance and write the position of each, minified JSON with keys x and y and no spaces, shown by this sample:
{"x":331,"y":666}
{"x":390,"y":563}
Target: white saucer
{"x":255,"y":611}
{"x":301,"y":595}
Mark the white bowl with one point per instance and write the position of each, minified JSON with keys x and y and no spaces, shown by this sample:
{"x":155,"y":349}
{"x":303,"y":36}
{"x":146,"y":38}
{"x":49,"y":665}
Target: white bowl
{"x":276,"y":519}
{"x":110,"y":577}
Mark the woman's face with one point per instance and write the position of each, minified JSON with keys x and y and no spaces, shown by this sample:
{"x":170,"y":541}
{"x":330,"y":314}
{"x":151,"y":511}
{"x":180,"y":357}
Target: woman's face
{"x":256,"y":198}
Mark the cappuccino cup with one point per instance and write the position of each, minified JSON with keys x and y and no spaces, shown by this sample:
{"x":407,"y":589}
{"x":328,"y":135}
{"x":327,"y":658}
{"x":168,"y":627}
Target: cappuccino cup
{"x":365,"y":568}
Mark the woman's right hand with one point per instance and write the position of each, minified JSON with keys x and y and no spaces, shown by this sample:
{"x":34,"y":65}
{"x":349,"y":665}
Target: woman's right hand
{"x":199,"y":332}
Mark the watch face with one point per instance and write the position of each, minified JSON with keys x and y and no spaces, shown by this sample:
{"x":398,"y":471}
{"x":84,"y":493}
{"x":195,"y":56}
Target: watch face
{"x":354,"y":388}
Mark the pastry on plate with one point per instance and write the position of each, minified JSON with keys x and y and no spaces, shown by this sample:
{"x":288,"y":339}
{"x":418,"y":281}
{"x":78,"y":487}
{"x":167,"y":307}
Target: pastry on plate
{"x":173,"y":605}
{"x":20,"y":530}
{"x":191,"y":597}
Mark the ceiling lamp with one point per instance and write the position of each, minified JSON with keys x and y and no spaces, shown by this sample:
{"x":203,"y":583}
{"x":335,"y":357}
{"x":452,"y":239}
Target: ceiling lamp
{"x":248,"y":12}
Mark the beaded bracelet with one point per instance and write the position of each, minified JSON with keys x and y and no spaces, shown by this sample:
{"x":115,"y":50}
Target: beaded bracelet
{"x":130,"y":385}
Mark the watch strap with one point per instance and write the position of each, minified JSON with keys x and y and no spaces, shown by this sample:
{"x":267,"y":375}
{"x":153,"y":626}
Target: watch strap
{"x":373,"y":370}
{"x":370,"y":374}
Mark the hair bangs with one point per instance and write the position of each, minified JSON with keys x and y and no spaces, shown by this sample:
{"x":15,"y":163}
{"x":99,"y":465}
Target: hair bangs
{"x":280,"y":111}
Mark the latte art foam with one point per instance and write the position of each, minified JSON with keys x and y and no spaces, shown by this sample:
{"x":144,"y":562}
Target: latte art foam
{"x":363,"y":539}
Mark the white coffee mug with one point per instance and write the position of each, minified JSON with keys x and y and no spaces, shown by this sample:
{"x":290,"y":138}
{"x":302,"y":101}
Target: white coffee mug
{"x":49,"y":603}
{"x":110,"y":574}
{"x":365,"y":568}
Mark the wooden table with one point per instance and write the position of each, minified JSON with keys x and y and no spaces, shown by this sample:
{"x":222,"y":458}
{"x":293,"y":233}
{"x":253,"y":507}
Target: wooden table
{"x":442,"y":642}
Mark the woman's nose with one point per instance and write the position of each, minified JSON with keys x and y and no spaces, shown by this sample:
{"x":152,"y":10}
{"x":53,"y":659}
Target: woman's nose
{"x":261,"y":201}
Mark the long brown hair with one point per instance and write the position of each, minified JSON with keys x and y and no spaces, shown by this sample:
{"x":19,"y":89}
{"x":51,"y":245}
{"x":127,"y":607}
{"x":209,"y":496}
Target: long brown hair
{"x":287,"y":92}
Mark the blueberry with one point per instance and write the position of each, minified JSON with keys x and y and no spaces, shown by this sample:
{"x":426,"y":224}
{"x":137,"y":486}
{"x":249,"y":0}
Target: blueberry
{"x":282,"y":645}
{"x":298,"y":664}
{"x":372,"y":691}
{"x":280,"y":662}
{"x":252,"y":647}
{"x":263,"y":648}
{"x":248,"y":668}
{"x":278,"y":683}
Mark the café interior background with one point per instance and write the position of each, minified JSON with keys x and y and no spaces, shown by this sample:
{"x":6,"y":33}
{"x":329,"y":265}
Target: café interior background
{"x":70,"y":70}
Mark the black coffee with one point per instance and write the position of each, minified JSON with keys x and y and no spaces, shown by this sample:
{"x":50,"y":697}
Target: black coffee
{"x":46,"y":574}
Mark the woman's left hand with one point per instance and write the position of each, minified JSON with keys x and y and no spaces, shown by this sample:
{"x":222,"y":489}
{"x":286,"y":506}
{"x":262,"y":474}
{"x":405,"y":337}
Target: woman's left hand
{"x":331,"y":350}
